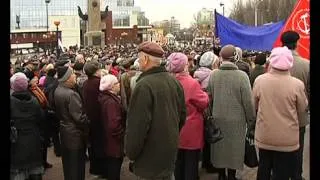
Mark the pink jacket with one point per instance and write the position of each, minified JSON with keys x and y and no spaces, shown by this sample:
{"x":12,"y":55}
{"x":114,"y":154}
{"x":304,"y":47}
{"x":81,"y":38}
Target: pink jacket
{"x":191,"y":134}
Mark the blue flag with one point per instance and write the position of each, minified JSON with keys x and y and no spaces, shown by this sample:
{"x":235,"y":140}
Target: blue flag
{"x":260,"y":38}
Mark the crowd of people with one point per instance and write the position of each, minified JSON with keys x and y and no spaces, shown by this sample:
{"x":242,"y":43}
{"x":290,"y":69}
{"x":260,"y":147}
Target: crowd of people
{"x":148,"y":103}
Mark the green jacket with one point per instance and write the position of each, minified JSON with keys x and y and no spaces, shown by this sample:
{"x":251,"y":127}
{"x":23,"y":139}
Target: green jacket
{"x":156,"y":113}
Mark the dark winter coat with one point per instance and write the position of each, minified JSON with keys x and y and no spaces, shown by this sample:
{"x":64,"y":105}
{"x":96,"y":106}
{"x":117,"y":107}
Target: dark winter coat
{"x":93,"y":111}
{"x":27,"y":115}
{"x":73,"y":121}
{"x":256,"y":71}
{"x":114,"y":123}
{"x":156,"y":112}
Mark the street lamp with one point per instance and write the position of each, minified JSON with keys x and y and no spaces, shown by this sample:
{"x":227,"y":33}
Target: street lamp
{"x":57,"y":23}
{"x":38,"y":45}
{"x":256,"y":12}
{"x":222,"y":5}
{"x":47,"y":3}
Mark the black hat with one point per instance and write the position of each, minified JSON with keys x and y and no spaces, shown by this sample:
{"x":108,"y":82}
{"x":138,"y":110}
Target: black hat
{"x":91,"y":67}
{"x":289,"y":37}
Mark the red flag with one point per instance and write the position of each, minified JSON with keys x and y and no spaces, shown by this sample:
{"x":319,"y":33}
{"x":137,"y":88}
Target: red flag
{"x":299,"y":21}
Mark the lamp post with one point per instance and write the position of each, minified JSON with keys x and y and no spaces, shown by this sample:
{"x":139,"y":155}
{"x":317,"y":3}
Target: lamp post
{"x":222,"y":5}
{"x":57,"y":23}
{"x":256,"y":13}
{"x":38,"y":45}
{"x":47,"y":3}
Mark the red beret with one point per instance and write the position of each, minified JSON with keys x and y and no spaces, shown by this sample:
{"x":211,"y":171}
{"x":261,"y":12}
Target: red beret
{"x":151,"y":48}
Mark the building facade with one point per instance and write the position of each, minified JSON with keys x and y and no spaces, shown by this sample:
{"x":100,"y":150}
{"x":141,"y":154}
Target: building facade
{"x":126,"y":14}
{"x":32,"y":14}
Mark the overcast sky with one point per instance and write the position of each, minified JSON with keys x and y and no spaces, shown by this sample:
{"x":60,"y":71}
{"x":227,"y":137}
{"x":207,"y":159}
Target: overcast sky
{"x":183,"y":10}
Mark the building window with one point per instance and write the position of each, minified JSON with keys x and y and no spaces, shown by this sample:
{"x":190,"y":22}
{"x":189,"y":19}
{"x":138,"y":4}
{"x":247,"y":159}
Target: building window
{"x":24,"y":35}
{"x":10,"y":36}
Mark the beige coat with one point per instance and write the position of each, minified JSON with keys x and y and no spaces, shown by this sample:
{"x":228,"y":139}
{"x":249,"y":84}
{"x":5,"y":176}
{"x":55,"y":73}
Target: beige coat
{"x":280,"y":99}
{"x":300,"y":70}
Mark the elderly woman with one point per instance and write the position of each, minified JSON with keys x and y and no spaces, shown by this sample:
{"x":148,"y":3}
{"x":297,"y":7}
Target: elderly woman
{"x":26,"y":115}
{"x":208,"y":62}
{"x":232,"y":109}
{"x":113,"y":122}
{"x":191,"y":134}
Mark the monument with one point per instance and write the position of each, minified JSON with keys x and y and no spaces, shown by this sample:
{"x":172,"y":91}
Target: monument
{"x":94,"y":37}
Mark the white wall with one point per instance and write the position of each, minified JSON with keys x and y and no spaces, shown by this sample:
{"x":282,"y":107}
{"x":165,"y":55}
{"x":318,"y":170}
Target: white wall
{"x":69,"y":27}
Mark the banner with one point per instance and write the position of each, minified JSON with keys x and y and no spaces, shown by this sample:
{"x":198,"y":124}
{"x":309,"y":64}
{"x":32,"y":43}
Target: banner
{"x":260,"y":38}
{"x":299,"y":21}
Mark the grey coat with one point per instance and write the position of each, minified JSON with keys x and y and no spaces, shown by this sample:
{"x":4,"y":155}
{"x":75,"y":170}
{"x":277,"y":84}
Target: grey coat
{"x":300,"y":70}
{"x":232,"y":110}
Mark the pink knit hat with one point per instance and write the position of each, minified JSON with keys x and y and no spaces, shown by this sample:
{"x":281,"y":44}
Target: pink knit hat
{"x":19,"y":82}
{"x":281,"y":58}
{"x":176,"y":62}
{"x":107,"y":82}
{"x":41,"y":80}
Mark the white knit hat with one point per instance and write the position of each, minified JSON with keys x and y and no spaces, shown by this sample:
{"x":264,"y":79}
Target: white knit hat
{"x":107,"y":82}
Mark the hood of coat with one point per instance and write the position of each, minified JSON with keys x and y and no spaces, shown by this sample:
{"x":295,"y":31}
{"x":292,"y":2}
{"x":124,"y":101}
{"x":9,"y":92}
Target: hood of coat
{"x":202,"y":73}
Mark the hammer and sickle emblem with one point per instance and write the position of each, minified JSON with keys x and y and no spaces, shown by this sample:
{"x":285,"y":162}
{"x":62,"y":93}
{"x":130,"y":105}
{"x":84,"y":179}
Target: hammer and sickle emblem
{"x":305,"y":25}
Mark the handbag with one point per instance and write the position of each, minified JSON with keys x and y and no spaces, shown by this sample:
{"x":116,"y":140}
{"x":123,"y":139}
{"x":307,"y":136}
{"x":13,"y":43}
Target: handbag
{"x":250,"y":156}
{"x":213,"y":133}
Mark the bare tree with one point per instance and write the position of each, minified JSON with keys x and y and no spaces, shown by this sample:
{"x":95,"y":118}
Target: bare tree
{"x":268,"y":11}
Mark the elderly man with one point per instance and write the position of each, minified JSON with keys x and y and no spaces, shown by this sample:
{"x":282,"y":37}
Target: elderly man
{"x":156,"y":113}
{"x":80,"y":59}
{"x":299,"y":70}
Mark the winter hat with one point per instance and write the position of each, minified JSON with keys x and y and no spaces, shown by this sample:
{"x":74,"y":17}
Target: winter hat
{"x":151,"y":48}
{"x":19,"y":82}
{"x":176,"y":62}
{"x":207,"y":59}
{"x":91,"y":67}
{"x":107,"y":82}
{"x":64,"y":73}
{"x":281,"y":58}
{"x":228,"y":52}
{"x":49,"y":66}
{"x":42,"y":80}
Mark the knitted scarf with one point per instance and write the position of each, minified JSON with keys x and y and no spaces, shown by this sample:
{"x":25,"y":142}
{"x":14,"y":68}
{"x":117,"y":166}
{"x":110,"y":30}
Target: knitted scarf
{"x":38,"y":93}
